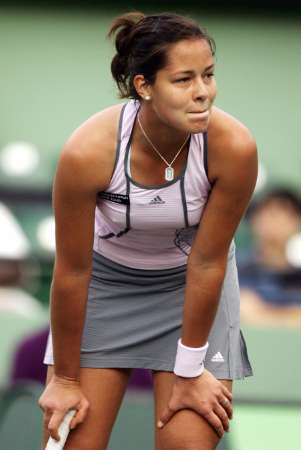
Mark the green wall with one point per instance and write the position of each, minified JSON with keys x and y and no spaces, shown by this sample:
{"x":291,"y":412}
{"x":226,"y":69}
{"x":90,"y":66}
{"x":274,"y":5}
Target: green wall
{"x":55,"y":73}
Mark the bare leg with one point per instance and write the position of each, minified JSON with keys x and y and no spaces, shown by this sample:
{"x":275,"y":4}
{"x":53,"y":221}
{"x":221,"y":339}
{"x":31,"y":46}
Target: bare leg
{"x":186,"y":430}
{"x":104,"y":389}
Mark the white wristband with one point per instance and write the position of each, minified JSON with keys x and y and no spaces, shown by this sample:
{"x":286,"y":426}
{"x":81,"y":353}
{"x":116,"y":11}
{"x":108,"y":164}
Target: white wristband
{"x":189,"y":360}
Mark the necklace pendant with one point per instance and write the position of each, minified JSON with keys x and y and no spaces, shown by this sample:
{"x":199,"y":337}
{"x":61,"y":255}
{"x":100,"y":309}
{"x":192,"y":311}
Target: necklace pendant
{"x":169,"y":174}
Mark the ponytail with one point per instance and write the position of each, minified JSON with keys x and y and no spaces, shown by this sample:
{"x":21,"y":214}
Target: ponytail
{"x":123,"y":27}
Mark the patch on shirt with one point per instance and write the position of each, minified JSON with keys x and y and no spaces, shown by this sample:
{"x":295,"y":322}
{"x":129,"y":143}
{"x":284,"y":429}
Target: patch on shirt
{"x":115,"y":198}
{"x":184,"y":238}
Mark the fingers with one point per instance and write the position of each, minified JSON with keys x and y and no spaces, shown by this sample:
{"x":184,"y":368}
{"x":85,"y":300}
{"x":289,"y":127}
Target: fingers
{"x":166,"y":416}
{"x":227,"y":393}
{"x":214,"y":420}
{"x":54,"y":423}
{"x":222,"y":414}
{"x":80,"y":415}
{"x":46,"y":419}
{"x":227,"y":406}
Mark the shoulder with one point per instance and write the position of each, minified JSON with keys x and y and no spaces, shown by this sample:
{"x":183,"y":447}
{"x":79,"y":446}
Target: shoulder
{"x":231,"y":144}
{"x":90,"y":149}
{"x":226,"y":131}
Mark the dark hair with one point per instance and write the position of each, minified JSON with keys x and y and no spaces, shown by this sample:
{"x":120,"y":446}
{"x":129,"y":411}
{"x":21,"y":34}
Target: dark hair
{"x":142,"y":42}
{"x":283,"y":194}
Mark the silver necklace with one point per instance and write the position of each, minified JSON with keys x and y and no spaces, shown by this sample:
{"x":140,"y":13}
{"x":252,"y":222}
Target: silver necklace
{"x":169,"y":171}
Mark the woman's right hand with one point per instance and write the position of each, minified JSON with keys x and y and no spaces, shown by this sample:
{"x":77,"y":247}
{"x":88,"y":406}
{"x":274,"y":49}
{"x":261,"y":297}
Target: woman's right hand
{"x":59,"y":396}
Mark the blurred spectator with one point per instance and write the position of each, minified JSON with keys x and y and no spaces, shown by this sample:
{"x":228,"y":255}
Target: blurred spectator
{"x":20,"y":312}
{"x":14,"y":250}
{"x":270,"y":281}
{"x":27,"y":364}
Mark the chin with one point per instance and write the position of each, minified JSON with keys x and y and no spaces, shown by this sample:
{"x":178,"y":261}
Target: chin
{"x":200,"y":127}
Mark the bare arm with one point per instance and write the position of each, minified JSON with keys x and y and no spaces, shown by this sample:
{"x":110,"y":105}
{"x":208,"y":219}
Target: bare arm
{"x":235,"y":172}
{"x":74,"y":206}
{"x":84,"y":169}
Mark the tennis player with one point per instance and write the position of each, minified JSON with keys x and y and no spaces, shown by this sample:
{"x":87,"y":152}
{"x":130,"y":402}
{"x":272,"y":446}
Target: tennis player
{"x":147,"y":197}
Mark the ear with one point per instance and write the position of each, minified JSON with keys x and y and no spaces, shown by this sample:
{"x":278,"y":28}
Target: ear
{"x":142,"y":87}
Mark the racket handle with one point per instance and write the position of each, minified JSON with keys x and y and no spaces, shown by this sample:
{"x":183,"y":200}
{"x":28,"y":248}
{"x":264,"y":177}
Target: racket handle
{"x":63,"y":430}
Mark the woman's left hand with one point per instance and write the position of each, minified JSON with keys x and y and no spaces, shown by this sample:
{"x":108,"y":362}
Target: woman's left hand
{"x":205,"y":395}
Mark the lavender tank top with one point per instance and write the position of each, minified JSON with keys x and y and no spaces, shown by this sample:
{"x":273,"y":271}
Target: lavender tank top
{"x":150,"y":227}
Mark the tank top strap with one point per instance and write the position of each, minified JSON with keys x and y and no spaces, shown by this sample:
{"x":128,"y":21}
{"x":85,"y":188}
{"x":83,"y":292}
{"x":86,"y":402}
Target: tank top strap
{"x":125,"y":127}
{"x":127,"y":118}
{"x":197,"y":166}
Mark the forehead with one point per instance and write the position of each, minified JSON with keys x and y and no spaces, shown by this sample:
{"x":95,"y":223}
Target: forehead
{"x":188,"y":54}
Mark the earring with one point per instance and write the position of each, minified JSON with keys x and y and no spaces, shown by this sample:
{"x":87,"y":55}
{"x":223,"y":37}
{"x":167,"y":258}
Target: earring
{"x":147,"y":97}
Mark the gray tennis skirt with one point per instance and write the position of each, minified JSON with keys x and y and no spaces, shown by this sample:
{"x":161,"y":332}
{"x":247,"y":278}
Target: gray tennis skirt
{"x":134,"y":317}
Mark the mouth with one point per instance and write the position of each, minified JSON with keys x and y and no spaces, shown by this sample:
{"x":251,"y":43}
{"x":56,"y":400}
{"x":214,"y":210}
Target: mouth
{"x":199,"y":114}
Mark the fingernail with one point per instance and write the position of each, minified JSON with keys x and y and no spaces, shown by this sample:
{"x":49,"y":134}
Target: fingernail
{"x":160,"y":424}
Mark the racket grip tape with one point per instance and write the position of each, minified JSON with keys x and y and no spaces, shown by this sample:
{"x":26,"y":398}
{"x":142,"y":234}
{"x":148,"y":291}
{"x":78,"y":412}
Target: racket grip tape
{"x":63,"y":431}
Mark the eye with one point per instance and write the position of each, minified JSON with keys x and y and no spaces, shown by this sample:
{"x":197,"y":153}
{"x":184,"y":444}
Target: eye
{"x":209,"y":75}
{"x":182,"y":80}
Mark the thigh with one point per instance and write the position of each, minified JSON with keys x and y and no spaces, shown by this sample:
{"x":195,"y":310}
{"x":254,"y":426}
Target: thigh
{"x":104,"y":389}
{"x":186,"y":430}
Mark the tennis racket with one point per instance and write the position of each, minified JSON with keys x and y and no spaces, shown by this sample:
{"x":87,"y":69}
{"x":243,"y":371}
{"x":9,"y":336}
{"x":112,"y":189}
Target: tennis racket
{"x":64,"y":429}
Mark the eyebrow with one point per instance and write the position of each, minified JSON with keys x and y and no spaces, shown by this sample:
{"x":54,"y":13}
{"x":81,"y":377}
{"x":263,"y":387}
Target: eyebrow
{"x":189,"y":72}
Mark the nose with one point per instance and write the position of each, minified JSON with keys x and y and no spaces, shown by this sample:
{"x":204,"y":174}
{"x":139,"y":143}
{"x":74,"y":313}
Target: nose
{"x":200,"y":90}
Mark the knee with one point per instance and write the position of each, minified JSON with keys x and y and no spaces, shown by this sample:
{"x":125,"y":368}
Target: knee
{"x":84,"y":443}
{"x":85,"y":446}
{"x":186,"y":431}
{"x":187,"y":445}
{"x":176,"y":441}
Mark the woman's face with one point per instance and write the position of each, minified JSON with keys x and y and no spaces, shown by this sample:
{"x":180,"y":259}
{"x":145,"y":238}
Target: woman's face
{"x":184,"y":90}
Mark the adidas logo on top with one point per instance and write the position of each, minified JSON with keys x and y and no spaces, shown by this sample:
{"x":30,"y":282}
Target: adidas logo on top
{"x":218,"y":357}
{"x":157,"y":201}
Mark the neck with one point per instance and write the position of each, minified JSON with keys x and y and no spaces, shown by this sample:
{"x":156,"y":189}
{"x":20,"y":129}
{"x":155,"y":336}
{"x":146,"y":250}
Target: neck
{"x":165,"y":138}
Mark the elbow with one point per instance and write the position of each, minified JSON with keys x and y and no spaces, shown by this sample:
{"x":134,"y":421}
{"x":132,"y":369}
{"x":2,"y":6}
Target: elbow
{"x":213,"y":268}
{"x":64,"y":283}
{"x":65,"y":274}
{"x":202,"y":262}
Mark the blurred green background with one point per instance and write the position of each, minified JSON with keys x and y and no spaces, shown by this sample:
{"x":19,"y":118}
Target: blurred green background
{"x":55,"y":73}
